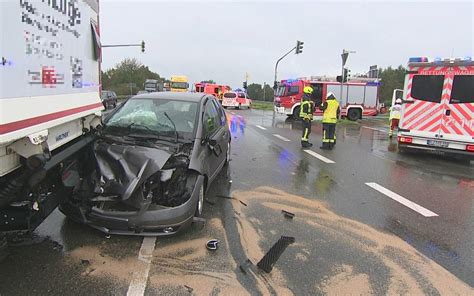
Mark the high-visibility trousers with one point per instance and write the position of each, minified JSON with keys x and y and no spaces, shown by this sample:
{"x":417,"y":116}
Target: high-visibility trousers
{"x":329,"y":133}
{"x":306,"y":130}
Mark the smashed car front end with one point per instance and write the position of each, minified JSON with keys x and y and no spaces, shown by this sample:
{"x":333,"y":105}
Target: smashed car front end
{"x":133,"y":190}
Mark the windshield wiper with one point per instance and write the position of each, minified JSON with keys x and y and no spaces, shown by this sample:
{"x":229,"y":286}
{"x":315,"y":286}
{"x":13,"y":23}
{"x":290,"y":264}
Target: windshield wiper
{"x":174,"y":126}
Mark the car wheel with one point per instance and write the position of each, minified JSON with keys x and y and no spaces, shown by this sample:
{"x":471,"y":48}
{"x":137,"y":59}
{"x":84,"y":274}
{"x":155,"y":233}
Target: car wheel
{"x":200,"y":203}
{"x":227,"y":157}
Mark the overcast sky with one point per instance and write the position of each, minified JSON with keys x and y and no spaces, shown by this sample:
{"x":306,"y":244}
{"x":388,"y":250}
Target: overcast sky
{"x":224,"y":40}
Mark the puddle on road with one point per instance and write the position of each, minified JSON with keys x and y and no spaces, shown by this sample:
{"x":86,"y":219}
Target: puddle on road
{"x":409,"y":271}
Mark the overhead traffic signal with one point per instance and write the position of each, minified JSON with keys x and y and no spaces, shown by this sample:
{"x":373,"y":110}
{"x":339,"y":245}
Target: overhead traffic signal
{"x":143,"y":46}
{"x":245,"y":85}
{"x":299,"y":47}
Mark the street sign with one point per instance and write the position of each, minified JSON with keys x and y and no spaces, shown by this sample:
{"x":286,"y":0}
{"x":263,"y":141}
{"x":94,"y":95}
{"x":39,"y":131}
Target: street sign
{"x":344,"y":56}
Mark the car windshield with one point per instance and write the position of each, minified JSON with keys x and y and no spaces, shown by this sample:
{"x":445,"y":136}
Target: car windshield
{"x":183,"y":85}
{"x":154,"y":116}
{"x":281,"y":90}
{"x":229,"y":95}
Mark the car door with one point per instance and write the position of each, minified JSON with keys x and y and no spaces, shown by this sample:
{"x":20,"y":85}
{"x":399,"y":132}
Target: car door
{"x":215,"y":137}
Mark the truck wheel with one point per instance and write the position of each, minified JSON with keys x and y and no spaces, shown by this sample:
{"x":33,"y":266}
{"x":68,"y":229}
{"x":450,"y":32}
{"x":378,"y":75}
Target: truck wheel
{"x":296,"y":113}
{"x":354,"y":114}
{"x":3,"y":247}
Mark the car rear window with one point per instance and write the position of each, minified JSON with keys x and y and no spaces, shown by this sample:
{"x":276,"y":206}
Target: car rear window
{"x":229,"y":95}
{"x":242,"y":96}
{"x":463,"y":89}
{"x":427,"y":88}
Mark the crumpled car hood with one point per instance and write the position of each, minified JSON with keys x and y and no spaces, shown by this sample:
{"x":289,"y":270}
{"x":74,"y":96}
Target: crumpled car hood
{"x":123,"y":167}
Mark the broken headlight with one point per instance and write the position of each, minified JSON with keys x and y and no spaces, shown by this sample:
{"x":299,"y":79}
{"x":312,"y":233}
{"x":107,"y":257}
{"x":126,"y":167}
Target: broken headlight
{"x":172,"y":186}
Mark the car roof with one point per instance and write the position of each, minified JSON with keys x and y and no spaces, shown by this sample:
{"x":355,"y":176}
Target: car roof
{"x":178,"y":96}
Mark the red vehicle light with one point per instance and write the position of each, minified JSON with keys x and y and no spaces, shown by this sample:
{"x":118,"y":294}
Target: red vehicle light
{"x":402,"y":139}
{"x":470,"y":148}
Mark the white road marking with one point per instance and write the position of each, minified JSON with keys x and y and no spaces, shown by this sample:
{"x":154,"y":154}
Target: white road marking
{"x":281,"y":138}
{"x":376,"y":129}
{"x":138,"y":284}
{"x":408,"y":203}
{"x":260,"y":127}
{"x":318,"y":156}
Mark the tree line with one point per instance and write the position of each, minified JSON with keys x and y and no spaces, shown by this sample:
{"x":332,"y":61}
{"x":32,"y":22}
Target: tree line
{"x":128,"y":76}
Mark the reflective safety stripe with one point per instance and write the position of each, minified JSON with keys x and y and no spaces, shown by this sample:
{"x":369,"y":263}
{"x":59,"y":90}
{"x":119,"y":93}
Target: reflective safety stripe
{"x":306,"y":105}
{"x":305,"y":137}
{"x":330,"y":114}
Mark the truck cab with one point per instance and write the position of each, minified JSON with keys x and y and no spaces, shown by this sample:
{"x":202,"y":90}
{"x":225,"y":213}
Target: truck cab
{"x":179,"y":83}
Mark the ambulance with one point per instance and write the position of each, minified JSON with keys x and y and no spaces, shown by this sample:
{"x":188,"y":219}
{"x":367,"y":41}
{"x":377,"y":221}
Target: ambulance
{"x":438,"y":107}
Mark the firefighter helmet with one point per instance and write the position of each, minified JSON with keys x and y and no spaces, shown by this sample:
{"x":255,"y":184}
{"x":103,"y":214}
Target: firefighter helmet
{"x":398,"y":101}
{"x":330,"y":95}
{"x":308,"y":90}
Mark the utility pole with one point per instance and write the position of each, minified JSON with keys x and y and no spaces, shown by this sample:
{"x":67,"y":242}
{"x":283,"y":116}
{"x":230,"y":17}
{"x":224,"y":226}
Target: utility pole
{"x":264,"y":86}
{"x":344,"y":56}
{"x":299,"y":49}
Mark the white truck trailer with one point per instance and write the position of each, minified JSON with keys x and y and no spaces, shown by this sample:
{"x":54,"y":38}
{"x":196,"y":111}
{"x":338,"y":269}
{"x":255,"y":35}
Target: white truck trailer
{"x":49,"y":102}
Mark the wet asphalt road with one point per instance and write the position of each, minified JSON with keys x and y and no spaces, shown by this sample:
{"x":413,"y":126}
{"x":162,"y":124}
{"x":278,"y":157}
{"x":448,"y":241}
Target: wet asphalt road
{"x":346,"y":232}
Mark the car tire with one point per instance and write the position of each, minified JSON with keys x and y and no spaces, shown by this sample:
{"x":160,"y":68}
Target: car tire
{"x":353,"y":114}
{"x":227,"y":156}
{"x":200,"y":203}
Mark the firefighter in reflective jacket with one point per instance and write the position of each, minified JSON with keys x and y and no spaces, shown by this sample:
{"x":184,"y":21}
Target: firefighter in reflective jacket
{"x":306,"y":114}
{"x":331,"y":113}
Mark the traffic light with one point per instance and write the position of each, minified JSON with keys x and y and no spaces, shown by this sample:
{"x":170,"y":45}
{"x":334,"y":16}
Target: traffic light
{"x":347,"y":73}
{"x":299,"y":46}
{"x":245,"y":85}
{"x":143,"y":46}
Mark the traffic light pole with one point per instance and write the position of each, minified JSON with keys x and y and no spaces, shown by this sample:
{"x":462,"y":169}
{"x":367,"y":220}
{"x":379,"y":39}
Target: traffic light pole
{"x":276,"y":65}
{"x":142,"y":45}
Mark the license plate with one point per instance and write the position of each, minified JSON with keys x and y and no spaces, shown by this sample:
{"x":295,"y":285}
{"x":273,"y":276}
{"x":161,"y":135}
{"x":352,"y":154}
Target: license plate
{"x":438,"y":143}
{"x":280,"y":109}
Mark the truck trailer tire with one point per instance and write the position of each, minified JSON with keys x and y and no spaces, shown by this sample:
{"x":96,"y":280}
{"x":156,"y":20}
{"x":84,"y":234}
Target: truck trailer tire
{"x":353,"y":114}
{"x":3,"y":247}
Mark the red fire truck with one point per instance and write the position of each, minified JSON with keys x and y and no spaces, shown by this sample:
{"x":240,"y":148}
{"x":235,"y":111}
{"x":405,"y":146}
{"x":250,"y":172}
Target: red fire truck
{"x":211,"y":88}
{"x":359,"y":96}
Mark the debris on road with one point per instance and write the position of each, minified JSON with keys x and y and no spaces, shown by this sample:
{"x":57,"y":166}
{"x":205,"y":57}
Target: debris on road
{"x":272,"y":256}
{"x":287,"y":214}
{"x":190,"y":290}
{"x":212,"y":244}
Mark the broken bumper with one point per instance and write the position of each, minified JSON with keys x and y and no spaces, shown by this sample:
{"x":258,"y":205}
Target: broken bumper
{"x":160,"y":221}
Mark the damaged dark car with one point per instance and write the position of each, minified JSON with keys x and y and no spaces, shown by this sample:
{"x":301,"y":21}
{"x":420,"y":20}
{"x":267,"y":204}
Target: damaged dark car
{"x":149,"y":169}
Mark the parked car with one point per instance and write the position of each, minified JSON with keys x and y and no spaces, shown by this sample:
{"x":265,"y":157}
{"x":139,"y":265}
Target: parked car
{"x":149,"y":169}
{"x":109,"y":99}
{"x":236,"y":100}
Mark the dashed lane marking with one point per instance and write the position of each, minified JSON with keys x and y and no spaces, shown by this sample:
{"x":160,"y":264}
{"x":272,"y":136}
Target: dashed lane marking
{"x":408,"y":203}
{"x":375,"y":129}
{"x":282,"y":138}
{"x":319,"y":156}
{"x":138,"y":284}
{"x":260,"y":127}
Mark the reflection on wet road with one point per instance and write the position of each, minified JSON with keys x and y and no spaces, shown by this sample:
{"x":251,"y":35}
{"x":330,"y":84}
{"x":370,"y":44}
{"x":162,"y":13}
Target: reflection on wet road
{"x":350,"y":238}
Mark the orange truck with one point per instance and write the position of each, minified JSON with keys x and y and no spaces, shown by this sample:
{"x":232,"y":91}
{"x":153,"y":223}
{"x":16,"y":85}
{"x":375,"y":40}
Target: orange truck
{"x":212,"y":89}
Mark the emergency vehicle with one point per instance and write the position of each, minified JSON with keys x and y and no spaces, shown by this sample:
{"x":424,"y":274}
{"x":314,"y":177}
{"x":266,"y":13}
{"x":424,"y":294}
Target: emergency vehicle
{"x":211,"y":88}
{"x":438,"y":107}
{"x":359,"y":96}
{"x":236,"y":99}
